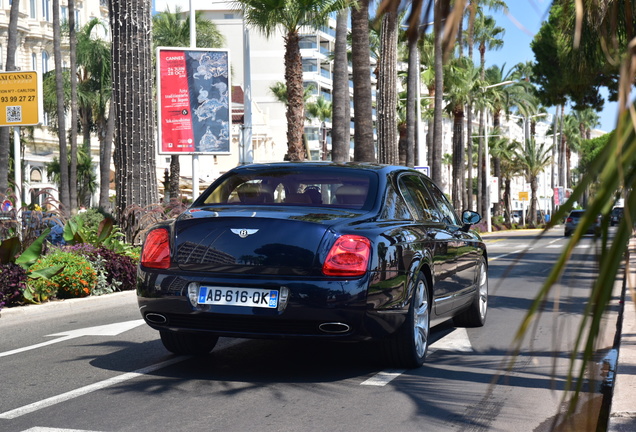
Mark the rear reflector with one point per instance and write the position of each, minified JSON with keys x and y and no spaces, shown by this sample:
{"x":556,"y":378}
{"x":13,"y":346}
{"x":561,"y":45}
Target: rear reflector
{"x":348,"y":257}
{"x":156,"y":251}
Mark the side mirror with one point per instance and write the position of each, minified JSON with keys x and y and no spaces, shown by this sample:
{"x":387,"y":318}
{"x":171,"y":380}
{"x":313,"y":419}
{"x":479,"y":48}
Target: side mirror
{"x":469,"y":218}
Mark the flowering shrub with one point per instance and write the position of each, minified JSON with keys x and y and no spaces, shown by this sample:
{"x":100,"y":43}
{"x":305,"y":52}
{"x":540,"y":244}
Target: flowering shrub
{"x":77,"y":278}
{"x":12,"y":284}
{"x":120,"y":270}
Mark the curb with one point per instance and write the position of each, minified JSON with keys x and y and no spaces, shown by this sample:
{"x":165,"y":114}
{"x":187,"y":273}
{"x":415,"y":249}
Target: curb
{"x":67,"y":305}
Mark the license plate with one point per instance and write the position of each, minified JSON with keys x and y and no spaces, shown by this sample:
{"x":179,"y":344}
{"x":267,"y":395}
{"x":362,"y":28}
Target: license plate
{"x":250,"y":297}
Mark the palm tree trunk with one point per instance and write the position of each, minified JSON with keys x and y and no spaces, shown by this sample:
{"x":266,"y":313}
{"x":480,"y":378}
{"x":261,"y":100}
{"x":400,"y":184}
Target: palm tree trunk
{"x":436,"y":163}
{"x":295,"y":98}
{"x":468,"y":187}
{"x":5,"y":132}
{"x":65,"y":198}
{"x":134,"y":157}
{"x":72,"y":181}
{"x":340,"y":130}
{"x":411,"y":99}
{"x":387,"y":90}
{"x":364,"y":150}
{"x":458,"y":158}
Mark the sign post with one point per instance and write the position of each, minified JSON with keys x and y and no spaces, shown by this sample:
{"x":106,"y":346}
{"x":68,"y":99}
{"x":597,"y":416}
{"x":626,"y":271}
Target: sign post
{"x":20,"y":105}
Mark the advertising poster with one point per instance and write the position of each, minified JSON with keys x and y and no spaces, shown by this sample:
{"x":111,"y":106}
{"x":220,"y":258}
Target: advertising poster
{"x":194,"y":101}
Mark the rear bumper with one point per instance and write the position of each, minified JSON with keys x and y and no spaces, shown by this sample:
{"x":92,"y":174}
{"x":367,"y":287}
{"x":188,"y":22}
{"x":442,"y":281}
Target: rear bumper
{"x":317,"y":308}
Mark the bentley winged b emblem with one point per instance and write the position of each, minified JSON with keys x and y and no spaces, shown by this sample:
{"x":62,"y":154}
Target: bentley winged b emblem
{"x":243,"y":232}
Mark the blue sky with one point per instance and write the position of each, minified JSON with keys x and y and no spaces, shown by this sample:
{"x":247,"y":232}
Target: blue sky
{"x":522,"y":22}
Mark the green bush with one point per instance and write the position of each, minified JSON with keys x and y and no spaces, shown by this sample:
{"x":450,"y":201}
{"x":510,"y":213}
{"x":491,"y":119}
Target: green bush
{"x":77,"y":278}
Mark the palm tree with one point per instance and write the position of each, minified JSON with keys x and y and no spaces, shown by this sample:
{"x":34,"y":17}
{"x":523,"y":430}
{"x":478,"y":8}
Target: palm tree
{"x":507,"y":152}
{"x":364,"y":150}
{"x":460,"y":77}
{"x":341,"y":124}
{"x":290,"y":16}
{"x":570,"y":141}
{"x":588,"y":119}
{"x":535,"y":159}
{"x":172,"y":29}
{"x":95,"y":90}
{"x":5,"y":135}
{"x":134,"y":156}
{"x":321,"y":110}
{"x":72,"y":36}
{"x":387,"y":87}
{"x":65,"y":198}
{"x":487,"y":36}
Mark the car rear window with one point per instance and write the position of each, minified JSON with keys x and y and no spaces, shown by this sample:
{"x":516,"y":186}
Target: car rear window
{"x":351,"y":189}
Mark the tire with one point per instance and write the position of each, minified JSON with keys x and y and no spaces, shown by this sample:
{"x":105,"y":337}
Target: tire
{"x":188,"y":343}
{"x":475,"y":315}
{"x":407,"y":347}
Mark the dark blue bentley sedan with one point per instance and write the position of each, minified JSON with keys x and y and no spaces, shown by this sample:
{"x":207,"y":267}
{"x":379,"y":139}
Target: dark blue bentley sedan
{"x":341,"y":251}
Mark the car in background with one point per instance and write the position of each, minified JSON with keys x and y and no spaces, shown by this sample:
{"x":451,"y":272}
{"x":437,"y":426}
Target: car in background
{"x":616,"y":215}
{"x":315,"y":250}
{"x":573,"y":220}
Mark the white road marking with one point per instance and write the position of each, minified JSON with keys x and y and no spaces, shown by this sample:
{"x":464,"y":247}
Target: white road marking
{"x":505,"y":255}
{"x":455,"y":341}
{"x":383,"y":378}
{"x":48,"y":429}
{"x":104,"y":330}
{"x":36,"y":406}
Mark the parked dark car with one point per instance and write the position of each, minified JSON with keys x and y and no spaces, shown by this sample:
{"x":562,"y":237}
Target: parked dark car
{"x":616,"y":216}
{"x":314,"y":250}
{"x":573,"y":219}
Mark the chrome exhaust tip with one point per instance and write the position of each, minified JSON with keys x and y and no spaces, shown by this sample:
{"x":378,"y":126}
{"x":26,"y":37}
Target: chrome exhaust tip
{"x":156,"y":318}
{"x":334,"y":328}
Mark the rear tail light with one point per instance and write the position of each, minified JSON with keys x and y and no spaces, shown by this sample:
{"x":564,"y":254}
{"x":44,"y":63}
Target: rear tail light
{"x":156,"y":251}
{"x":569,"y":219}
{"x":348,"y":257}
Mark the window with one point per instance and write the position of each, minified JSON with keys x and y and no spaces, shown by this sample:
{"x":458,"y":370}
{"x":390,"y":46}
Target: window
{"x":446,"y":209}
{"x":46,"y":10}
{"x":420,"y":202}
{"x":34,"y":61}
{"x":45,"y":62}
{"x":32,"y":9}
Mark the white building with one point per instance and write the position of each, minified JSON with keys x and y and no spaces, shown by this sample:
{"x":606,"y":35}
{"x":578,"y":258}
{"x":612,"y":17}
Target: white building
{"x":35,"y":52}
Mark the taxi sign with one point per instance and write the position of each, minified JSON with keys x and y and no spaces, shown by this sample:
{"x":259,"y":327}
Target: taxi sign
{"x":20,"y":98}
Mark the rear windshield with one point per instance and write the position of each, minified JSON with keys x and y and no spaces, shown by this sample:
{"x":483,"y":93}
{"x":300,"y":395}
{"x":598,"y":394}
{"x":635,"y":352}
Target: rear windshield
{"x":322,"y":187}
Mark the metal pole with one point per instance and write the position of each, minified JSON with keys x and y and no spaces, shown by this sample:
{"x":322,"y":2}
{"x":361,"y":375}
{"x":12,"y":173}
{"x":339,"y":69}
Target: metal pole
{"x":248,"y":150}
{"x":487,"y":155}
{"x":195,"y":157}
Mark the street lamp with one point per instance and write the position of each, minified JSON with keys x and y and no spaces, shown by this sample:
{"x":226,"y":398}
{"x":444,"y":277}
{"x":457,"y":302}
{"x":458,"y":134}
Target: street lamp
{"x":487,"y":154}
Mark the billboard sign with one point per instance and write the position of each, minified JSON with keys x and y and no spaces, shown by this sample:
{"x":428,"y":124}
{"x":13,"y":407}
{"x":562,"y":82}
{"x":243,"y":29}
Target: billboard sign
{"x":194,"y":101}
{"x":20,"y":98}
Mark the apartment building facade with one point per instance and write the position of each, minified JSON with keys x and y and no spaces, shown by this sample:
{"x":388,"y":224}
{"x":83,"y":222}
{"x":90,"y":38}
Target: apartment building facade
{"x":35,"y":52}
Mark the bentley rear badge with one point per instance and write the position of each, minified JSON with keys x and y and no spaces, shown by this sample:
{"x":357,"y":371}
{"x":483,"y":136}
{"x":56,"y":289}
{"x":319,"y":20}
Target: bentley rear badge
{"x":243,"y":232}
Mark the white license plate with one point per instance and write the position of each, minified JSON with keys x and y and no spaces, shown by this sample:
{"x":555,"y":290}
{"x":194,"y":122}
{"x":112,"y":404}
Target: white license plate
{"x":249,"y":297}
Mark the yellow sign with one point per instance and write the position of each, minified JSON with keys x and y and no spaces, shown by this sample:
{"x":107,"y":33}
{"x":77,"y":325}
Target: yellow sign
{"x":523,"y":196}
{"x":20,"y":100}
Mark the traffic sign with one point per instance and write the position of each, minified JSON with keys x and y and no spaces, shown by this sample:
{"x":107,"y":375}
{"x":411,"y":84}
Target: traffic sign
{"x":20,"y":98}
{"x":523,"y":196}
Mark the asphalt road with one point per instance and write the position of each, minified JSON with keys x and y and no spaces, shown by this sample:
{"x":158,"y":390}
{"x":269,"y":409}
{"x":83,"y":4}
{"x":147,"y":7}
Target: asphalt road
{"x":92,"y":365}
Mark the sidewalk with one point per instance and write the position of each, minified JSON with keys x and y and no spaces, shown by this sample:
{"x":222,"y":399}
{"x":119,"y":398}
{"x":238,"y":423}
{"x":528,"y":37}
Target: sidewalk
{"x":622,"y":416}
